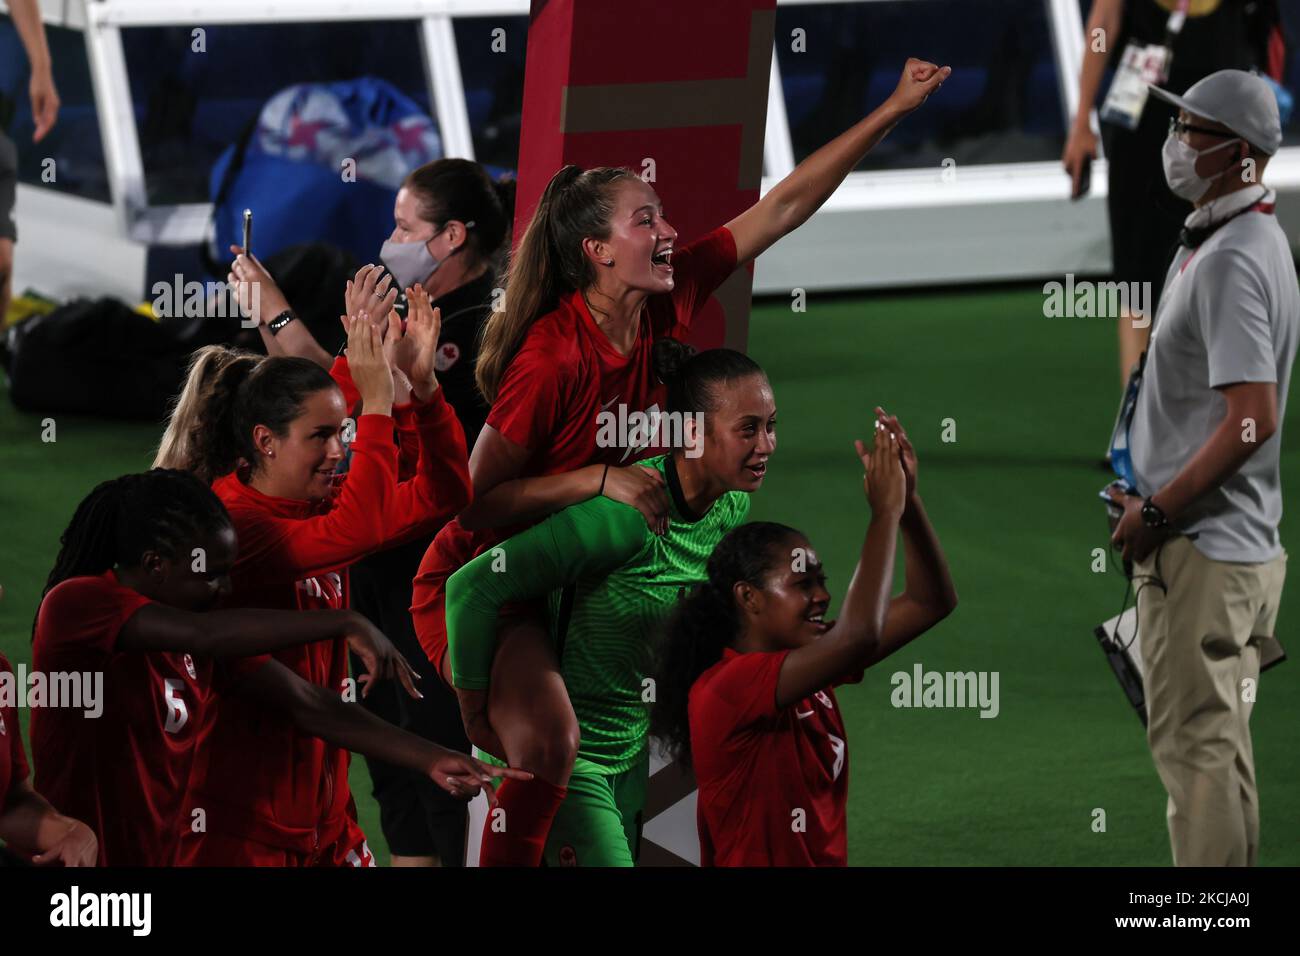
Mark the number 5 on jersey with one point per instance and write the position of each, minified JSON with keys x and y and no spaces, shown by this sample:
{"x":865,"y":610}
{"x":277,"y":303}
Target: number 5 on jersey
{"x":178,"y":715}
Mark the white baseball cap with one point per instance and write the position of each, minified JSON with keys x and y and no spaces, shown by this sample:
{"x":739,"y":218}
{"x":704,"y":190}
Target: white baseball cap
{"x":1241,"y":101}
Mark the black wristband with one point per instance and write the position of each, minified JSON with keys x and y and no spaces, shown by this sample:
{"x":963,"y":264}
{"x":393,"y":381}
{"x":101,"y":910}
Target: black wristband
{"x":1153,"y":516}
{"x":280,"y":321}
{"x":602,"y":481}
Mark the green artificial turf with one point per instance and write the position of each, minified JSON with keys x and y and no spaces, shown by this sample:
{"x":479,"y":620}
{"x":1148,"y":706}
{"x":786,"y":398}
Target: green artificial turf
{"x":1014,"y":501}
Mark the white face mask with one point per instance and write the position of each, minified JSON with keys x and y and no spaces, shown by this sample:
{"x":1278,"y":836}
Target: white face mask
{"x":411,"y":263}
{"x":1180,"y":168}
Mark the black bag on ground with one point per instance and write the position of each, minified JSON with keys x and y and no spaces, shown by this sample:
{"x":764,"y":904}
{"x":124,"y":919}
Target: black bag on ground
{"x":94,"y":357}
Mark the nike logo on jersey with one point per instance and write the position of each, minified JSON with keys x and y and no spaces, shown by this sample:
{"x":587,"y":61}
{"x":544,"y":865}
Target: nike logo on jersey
{"x":326,"y":587}
{"x":838,"y":748}
{"x":802,"y":715}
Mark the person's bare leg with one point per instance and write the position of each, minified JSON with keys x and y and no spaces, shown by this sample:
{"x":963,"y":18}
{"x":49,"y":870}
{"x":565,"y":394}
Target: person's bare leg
{"x":6,"y":276}
{"x":529,"y":708}
{"x":528,"y":704}
{"x":395,"y":860}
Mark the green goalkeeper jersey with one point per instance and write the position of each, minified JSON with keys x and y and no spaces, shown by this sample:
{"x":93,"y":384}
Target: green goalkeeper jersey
{"x":609,"y":582}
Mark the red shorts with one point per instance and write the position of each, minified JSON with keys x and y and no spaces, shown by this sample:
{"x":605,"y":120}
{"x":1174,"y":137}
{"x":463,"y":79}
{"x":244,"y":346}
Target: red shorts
{"x":219,"y":849}
{"x":429,"y":616}
{"x":350,"y":849}
{"x":449,"y":551}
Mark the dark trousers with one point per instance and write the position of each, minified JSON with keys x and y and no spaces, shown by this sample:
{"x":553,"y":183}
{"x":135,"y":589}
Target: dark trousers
{"x":418,"y":818}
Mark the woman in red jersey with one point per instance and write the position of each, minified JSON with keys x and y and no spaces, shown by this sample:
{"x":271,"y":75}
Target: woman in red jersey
{"x":272,"y":433}
{"x":748,"y":666}
{"x":29,"y":826}
{"x":451,"y":225}
{"x":596,"y":278}
{"x":141,"y":557}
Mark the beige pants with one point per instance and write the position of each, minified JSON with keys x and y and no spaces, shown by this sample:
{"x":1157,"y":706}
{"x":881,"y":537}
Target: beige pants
{"x":1201,"y":641}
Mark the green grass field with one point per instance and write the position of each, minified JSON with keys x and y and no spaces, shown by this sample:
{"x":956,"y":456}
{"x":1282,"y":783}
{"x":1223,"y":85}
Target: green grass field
{"x":1014,"y":501}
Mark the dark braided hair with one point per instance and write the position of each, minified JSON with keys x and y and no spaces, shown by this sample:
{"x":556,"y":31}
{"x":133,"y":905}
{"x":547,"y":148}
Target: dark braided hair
{"x":163,"y":510}
{"x":705,"y":622}
{"x":691,"y":376}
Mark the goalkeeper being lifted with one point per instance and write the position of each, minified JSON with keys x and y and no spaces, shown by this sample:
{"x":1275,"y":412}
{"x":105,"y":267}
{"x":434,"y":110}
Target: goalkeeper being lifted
{"x":609,"y":582}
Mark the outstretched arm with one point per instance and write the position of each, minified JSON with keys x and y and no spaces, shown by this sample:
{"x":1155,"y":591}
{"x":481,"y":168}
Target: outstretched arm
{"x":244,"y":632}
{"x":929,"y":594}
{"x":794,"y":199}
{"x":863,"y":635}
{"x":853,"y":639}
{"x":323,"y":713}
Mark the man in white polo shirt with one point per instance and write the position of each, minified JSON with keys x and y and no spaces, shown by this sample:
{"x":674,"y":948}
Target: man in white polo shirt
{"x":1205,"y":440}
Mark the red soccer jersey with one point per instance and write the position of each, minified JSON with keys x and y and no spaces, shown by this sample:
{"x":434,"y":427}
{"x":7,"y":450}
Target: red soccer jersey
{"x":125,"y":772}
{"x":13,"y":761}
{"x":565,"y":373}
{"x":258,"y":777}
{"x":772,"y":782}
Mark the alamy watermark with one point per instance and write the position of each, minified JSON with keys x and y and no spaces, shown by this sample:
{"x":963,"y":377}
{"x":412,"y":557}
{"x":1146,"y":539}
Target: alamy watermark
{"x":923,"y":688}
{"x":1098,"y":300}
{"x":77,"y":690}
{"x":74,"y":908}
{"x":652,"y":428}
{"x":191,"y":300}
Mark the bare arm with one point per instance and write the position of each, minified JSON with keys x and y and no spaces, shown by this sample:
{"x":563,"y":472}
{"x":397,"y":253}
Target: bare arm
{"x":323,"y":713}
{"x":1106,"y":16}
{"x":237,"y":632}
{"x":502,"y":498}
{"x":1081,"y":144}
{"x":794,"y":199}
{"x":929,"y":594}
{"x":268,"y":340}
{"x":295,"y":339}
{"x":1228,"y":447}
{"x":262,"y":299}
{"x":852,"y":640}
{"x":244,"y":632}
{"x":29,"y":821}
{"x":26,"y":15}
